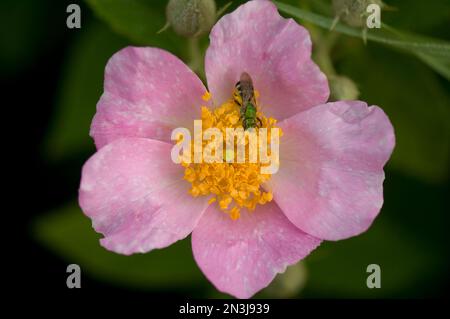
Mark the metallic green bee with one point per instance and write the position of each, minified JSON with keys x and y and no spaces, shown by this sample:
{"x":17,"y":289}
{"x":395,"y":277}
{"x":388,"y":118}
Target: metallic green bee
{"x":244,"y":96}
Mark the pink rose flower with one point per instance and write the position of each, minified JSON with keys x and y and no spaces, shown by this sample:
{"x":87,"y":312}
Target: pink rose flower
{"x":330,"y":181}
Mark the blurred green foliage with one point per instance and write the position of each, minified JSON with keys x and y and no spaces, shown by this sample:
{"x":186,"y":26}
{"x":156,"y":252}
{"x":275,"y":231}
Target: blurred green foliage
{"x":69,"y":234}
{"x":415,"y":101}
{"x":434,"y":52}
{"x":139,"y":21}
{"x":429,"y":17}
{"x":20,"y":48}
{"x":408,"y":239}
{"x":81,"y":87}
{"x":411,"y":251}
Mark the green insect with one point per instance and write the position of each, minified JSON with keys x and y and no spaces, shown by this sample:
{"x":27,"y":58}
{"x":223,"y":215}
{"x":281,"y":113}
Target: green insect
{"x":244,"y":96}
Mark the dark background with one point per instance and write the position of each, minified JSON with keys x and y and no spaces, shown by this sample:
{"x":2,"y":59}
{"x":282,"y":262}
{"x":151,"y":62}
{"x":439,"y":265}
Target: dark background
{"x":47,"y":68}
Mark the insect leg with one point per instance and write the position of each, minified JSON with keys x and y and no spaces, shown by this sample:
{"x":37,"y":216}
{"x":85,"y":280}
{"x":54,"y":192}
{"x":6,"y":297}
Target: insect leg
{"x":259,"y":121}
{"x":245,"y":123}
{"x":237,"y":100}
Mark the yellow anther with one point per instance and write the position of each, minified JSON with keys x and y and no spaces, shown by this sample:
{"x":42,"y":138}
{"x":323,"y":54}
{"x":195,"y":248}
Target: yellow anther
{"x":206,"y":97}
{"x":232,"y":185}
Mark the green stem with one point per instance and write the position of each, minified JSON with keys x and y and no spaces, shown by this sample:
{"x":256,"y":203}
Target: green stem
{"x":323,"y":53}
{"x":195,"y":56}
{"x":323,"y":44}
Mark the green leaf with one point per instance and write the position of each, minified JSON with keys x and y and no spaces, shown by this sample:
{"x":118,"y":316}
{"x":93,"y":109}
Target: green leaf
{"x":427,"y":49}
{"x":81,"y":87}
{"x":440,"y":63}
{"x":139,"y":21}
{"x":68,"y":233}
{"x":415,"y":101}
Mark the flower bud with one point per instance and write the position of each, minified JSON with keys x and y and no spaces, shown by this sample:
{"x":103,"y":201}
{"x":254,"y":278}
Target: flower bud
{"x":353,"y":12}
{"x":289,"y":283}
{"x":343,"y":88}
{"x":191,"y":18}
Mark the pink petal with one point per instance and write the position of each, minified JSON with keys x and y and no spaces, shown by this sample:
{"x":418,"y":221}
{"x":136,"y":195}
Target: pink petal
{"x":136,"y":196}
{"x":147,"y":93}
{"x":242,"y":256}
{"x":330,"y":181}
{"x":274,"y":51}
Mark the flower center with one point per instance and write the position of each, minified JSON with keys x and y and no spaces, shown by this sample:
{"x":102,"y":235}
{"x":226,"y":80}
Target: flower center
{"x":231,"y":183}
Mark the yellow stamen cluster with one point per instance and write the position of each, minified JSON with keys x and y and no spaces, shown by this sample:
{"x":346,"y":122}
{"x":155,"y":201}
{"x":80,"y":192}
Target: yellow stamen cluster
{"x":232,"y":185}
